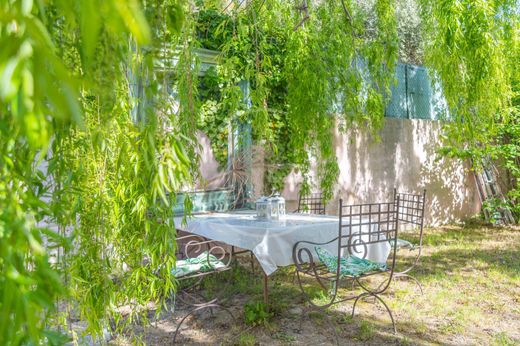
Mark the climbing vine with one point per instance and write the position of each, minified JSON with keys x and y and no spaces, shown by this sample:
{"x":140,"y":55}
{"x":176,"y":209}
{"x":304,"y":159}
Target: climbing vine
{"x":296,"y":85}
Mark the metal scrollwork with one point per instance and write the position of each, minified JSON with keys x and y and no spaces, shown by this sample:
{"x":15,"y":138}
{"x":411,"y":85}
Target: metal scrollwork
{"x":357,"y":246}
{"x":374,"y":223}
{"x":191,"y":247}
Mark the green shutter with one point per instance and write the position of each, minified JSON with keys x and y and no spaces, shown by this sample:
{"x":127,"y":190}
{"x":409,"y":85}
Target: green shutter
{"x":419,"y":93}
{"x":397,"y":106}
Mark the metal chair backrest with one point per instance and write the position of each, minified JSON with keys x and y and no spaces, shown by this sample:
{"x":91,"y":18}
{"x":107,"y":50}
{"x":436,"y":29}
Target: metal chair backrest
{"x":312,"y":204}
{"x":411,"y":209}
{"x":362,"y":226}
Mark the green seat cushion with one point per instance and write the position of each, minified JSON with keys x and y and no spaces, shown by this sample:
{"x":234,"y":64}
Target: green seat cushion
{"x":405,"y":244}
{"x":202,"y":263}
{"x":349,"y":266}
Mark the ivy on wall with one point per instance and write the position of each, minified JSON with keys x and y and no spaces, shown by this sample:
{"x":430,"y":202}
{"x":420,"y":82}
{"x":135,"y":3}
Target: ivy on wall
{"x":296,"y":82}
{"x":214,"y":120}
{"x":222,"y":102}
{"x":296,"y":85}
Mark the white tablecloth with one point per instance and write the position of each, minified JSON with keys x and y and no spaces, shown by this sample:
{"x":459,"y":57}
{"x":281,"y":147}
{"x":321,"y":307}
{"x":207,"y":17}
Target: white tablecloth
{"x":272,"y":241}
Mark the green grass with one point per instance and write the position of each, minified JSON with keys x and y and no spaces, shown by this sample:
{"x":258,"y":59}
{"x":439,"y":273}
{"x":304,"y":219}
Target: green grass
{"x":366,"y":331}
{"x":246,"y":339}
{"x":470,"y":276}
{"x":471,"y":280}
{"x":283,"y":337}
{"x":257,"y":313}
{"x":503,"y":340}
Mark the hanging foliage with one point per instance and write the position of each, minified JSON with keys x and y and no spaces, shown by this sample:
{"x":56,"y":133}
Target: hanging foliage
{"x":73,"y":157}
{"x":100,"y":101}
{"x":473,"y":47}
{"x":469,"y":47}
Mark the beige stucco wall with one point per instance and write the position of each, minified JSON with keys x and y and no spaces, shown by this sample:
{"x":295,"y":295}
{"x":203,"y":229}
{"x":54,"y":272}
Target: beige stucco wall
{"x":405,"y":157}
{"x":212,"y":175}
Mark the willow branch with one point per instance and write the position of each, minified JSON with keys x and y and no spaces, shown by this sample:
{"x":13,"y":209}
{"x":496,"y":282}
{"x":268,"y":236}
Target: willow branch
{"x":304,"y":8}
{"x":347,"y":12}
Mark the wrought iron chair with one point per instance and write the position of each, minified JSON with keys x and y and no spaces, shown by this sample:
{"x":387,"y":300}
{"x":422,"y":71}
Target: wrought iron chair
{"x":364,"y":230}
{"x":197,"y":258}
{"x":410,"y":213}
{"x":312,"y":204}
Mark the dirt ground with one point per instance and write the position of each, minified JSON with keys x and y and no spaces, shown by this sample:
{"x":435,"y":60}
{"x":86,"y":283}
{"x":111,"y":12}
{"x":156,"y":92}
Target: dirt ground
{"x":471,"y":281}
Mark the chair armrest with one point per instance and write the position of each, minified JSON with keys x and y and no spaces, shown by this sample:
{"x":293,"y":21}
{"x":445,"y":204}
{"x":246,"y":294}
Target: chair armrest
{"x":303,"y":247}
{"x":193,"y":245}
{"x":191,"y":236}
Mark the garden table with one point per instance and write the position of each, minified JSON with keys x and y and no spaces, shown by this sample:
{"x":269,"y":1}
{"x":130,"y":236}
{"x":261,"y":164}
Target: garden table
{"x":271,"y":241}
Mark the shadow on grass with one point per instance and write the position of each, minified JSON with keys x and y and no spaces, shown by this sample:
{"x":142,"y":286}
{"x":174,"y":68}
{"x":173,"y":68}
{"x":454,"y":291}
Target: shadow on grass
{"x":455,"y":249}
{"x":370,"y":326}
{"x":451,"y":251}
{"x":450,"y":235}
{"x":363,"y":329}
{"x":506,"y":261}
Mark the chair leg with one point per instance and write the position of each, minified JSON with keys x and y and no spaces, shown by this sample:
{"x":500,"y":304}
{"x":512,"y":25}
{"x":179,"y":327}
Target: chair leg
{"x":309,"y":299}
{"x":404,"y":275}
{"x":234,"y":256}
{"x":353,"y":285}
{"x":389,"y":312}
{"x":383,"y":283}
{"x":356,"y":301}
{"x":210,"y":305}
{"x":382,"y":302}
{"x":252,"y":263}
{"x":329,"y":320}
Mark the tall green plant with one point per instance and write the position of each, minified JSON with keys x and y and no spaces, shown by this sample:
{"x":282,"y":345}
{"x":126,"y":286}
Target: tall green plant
{"x":72,"y":156}
{"x":75,"y":77}
{"x":469,"y":48}
{"x":473,"y":47}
